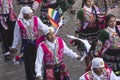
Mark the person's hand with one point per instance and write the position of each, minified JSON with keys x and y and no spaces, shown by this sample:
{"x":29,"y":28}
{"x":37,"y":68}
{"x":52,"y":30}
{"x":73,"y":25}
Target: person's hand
{"x":35,"y":5}
{"x":13,"y":50}
{"x":39,"y":78}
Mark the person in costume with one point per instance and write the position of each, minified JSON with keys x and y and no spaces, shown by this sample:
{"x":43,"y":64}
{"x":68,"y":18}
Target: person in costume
{"x":50,"y":55}
{"x":7,"y":23}
{"x":89,"y":17}
{"x":27,"y":31}
{"x":89,"y":28}
{"x":108,"y":45}
{"x":99,"y":72}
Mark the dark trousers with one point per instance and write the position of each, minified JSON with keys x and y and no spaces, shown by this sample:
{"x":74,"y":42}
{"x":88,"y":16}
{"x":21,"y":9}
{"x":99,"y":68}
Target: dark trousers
{"x":6,"y":36}
{"x":29,"y":61}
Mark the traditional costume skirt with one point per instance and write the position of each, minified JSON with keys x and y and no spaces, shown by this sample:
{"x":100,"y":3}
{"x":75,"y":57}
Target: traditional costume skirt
{"x":91,"y":34}
{"x":90,"y":31}
{"x":56,"y":72}
{"x":112,"y":58}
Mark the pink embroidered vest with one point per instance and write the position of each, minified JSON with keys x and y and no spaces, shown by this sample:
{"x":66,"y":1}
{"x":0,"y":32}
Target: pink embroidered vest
{"x":24,"y":31}
{"x":89,"y":76}
{"x":49,"y":58}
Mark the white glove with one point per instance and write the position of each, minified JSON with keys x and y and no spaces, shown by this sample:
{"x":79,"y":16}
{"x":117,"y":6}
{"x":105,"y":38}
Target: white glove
{"x":35,"y":5}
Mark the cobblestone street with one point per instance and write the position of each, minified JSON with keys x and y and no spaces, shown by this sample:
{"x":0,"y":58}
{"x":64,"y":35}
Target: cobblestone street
{"x":9,"y":71}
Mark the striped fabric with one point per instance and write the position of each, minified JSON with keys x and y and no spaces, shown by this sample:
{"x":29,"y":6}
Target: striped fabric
{"x":53,"y":16}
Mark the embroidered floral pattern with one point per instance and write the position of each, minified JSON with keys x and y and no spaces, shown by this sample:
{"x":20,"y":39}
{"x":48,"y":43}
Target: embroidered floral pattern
{"x":114,"y":38}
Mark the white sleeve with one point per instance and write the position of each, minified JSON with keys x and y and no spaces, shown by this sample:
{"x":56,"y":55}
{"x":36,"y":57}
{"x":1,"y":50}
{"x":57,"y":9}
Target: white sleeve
{"x":68,"y":51}
{"x":114,"y":77}
{"x":41,"y":25}
{"x":38,"y":62}
{"x":82,"y":78}
{"x":17,"y":36}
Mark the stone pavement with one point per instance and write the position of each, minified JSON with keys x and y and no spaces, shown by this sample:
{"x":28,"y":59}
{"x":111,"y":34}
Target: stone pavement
{"x":9,"y":71}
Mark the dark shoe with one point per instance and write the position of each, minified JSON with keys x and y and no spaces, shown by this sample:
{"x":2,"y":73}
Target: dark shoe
{"x":7,"y":57}
{"x":72,"y":11}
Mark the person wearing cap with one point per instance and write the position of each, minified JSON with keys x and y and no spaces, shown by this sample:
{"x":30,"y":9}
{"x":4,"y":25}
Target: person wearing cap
{"x":7,"y":24}
{"x":27,"y":30}
{"x":50,"y":55}
{"x":99,"y":72}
